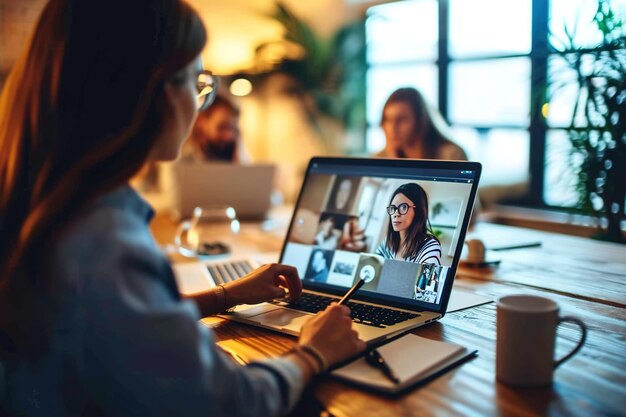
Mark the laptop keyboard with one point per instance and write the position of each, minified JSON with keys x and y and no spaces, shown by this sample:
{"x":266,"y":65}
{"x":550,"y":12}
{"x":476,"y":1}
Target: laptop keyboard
{"x":314,"y":303}
{"x":360,"y":313}
{"x":229,"y":271}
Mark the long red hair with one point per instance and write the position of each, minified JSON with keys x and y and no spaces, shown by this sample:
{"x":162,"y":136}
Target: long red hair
{"x":79,"y":114}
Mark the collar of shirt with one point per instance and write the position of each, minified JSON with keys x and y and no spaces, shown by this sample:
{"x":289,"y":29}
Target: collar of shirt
{"x":127,"y":198}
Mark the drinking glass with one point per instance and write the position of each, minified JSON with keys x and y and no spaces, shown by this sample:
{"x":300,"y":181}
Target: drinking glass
{"x":211,"y":231}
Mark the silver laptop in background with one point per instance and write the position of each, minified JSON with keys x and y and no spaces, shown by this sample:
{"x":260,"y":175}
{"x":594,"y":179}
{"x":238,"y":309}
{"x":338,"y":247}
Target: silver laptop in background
{"x":246,"y":188}
{"x":332,"y":255}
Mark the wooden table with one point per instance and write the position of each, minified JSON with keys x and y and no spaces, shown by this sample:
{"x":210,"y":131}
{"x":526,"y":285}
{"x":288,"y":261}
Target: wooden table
{"x":586,"y":278}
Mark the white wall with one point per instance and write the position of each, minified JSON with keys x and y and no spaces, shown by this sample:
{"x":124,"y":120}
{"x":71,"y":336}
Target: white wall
{"x":237,"y":26}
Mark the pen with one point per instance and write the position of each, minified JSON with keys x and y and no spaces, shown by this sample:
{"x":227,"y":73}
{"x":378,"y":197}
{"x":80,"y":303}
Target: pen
{"x":344,"y":300}
{"x":516,"y":246}
{"x":373,"y":358}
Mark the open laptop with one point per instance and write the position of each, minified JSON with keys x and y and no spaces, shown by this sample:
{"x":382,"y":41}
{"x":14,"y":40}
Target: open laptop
{"x":331,"y":255}
{"x":246,"y":188}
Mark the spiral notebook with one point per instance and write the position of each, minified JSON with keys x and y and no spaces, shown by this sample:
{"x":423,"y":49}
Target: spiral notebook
{"x":413,"y":359}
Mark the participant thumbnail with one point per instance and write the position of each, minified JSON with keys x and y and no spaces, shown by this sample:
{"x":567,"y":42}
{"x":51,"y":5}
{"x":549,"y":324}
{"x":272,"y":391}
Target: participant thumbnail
{"x":369,"y":269}
{"x":329,"y":230}
{"x":319,"y":265}
{"x":398,"y":278}
{"x":343,"y":268}
{"x":297,"y":255}
{"x":429,"y":283}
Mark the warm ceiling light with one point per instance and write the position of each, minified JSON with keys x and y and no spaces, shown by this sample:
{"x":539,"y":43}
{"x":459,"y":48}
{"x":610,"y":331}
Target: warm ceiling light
{"x":240,"y":87}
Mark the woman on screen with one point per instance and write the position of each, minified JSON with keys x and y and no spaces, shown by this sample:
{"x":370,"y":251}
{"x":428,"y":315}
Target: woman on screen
{"x":408,"y":235}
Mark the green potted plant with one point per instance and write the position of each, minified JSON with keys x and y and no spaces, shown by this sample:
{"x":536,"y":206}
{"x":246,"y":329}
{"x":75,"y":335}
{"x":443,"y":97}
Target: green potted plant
{"x":597,"y":132}
{"x":329,"y":73}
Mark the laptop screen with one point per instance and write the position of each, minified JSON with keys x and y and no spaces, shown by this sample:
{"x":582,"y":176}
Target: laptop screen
{"x":398,"y":224}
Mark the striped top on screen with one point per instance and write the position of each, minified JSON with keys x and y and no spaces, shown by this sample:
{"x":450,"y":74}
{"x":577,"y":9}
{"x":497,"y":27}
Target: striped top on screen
{"x":429,"y":252}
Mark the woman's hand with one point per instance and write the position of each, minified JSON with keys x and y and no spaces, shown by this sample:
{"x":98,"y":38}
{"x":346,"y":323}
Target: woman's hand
{"x":330,"y":333}
{"x":263,"y":284}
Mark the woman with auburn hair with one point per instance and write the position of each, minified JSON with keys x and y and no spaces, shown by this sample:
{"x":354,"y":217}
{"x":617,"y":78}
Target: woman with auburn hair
{"x":414,"y":130}
{"x":409,"y":237}
{"x":91,"y":320}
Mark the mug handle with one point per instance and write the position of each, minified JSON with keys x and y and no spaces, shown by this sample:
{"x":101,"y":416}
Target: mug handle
{"x":183,"y":229}
{"x":583,"y":337}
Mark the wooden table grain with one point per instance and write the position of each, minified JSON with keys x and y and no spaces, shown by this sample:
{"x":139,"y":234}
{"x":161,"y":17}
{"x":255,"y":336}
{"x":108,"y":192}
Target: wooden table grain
{"x":586,"y":278}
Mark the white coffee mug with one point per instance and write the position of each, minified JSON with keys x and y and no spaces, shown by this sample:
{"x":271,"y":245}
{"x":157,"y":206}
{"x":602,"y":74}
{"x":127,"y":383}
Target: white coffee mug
{"x":526,"y":332}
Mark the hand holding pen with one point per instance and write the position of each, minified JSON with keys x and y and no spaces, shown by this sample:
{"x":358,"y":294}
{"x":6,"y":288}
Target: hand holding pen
{"x":372,"y":356}
{"x":344,"y":300}
{"x":331,"y":336}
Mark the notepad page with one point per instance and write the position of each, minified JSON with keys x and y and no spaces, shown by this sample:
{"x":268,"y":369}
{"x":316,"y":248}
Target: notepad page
{"x":410,"y":357}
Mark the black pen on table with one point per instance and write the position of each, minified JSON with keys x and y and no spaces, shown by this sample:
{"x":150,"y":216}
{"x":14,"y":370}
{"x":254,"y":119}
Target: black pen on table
{"x":372,"y":356}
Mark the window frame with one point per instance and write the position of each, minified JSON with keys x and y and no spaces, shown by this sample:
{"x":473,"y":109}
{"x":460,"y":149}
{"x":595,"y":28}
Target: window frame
{"x":537,"y":128}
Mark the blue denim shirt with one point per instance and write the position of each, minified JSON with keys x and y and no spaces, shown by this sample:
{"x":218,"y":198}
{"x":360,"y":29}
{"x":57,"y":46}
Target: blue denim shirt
{"x":125,"y":343}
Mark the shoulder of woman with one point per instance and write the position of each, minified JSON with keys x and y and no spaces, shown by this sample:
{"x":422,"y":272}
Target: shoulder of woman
{"x":430,"y":242}
{"x":380,"y":154}
{"x":111,"y":254}
{"x":452,"y":151}
{"x":434,"y":239}
{"x":111,"y":228}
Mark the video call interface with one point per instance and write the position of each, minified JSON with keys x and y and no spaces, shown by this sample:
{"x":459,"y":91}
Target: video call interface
{"x":343,"y":231}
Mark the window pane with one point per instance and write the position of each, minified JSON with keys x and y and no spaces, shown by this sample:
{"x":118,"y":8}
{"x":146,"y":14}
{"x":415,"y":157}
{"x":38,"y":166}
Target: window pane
{"x":503,"y":153}
{"x":564,"y":91}
{"x":375,"y":139}
{"x":577,"y":17}
{"x":490,"y":92}
{"x":382,"y":81}
{"x":560,"y":176}
{"x":402,"y":31}
{"x":489,"y":27}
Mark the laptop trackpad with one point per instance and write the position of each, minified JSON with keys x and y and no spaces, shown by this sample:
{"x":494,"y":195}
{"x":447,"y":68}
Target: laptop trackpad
{"x":283,"y":318}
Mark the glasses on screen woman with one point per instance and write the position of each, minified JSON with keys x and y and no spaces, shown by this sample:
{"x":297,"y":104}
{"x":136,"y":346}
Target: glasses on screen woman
{"x":402,"y":209}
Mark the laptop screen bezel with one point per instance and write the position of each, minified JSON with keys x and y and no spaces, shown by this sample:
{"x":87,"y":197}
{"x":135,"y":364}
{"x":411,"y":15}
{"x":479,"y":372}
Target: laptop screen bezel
{"x":421,"y":164}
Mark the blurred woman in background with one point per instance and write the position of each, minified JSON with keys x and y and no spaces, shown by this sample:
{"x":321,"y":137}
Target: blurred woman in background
{"x":91,"y":320}
{"x":414,"y":130}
